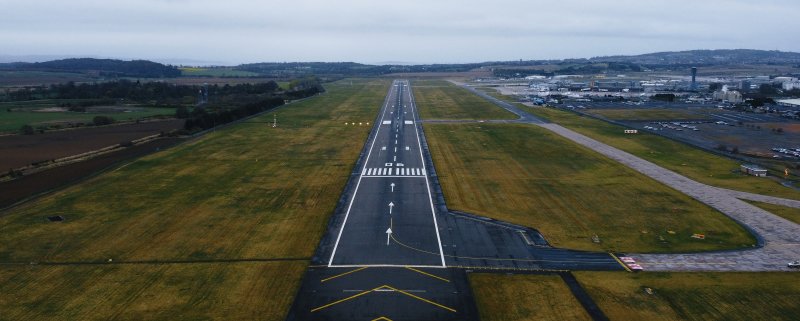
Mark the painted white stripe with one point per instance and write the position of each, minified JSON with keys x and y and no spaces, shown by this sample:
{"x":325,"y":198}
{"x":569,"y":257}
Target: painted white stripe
{"x":427,"y":182}
{"x":370,"y":171}
{"x":364,"y":172}
{"x":350,"y":206}
{"x":388,"y":265}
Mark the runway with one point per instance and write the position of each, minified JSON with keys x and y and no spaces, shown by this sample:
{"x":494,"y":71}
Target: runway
{"x":393,"y":251}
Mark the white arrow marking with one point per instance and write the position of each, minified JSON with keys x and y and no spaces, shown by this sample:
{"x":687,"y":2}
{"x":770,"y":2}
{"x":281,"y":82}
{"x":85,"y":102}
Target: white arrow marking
{"x":392,"y":185}
{"x":391,"y":205}
{"x":388,"y":235}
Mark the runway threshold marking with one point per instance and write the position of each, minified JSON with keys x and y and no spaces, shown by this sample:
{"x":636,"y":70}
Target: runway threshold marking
{"x":383,"y":288}
{"x":342,"y":274}
{"x":428,"y":274}
{"x":620,"y":262}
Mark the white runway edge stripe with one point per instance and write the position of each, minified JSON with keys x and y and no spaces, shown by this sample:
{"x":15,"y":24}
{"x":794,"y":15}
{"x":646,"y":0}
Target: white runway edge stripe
{"x":388,"y":171}
{"x":411,"y":106}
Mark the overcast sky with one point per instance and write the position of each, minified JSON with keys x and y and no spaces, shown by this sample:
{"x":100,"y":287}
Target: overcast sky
{"x":377,"y":31}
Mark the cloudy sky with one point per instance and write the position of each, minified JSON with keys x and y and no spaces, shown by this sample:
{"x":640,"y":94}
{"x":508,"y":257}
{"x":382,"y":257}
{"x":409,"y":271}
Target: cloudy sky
{"x":377,"y":31}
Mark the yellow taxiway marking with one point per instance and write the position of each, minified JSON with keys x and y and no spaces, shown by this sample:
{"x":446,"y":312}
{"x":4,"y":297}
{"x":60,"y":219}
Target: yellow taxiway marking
{"x":343,"y":274}
{"x":382,"y":319}
{"x":620,"y":262}
{"x":385,"y":288}
{"x":428,"y":274}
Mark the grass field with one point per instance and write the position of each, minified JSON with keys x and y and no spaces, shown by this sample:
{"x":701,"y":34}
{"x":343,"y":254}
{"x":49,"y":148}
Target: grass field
{"x":686,"y":160}
{"x":786,"y":212}
{"x":216,"y":72}
{"x":439,"y":99}
{"x":649,"y":114}
{"x":247,"y":191}
{"x":695,"y":296}
{"x":12,"y":121}
{"x":530,"y":176}
{"x":524,"y":297}
{"x":218,"y":291}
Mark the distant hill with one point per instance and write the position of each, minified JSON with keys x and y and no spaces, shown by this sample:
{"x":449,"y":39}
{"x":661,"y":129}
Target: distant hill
{"x":707,"y":57}
{"x":101,"y":67}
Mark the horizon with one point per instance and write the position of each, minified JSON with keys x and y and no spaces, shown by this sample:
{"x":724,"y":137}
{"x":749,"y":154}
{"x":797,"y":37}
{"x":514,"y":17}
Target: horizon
{"x":206,"y":32}
{"x":33,"y":58}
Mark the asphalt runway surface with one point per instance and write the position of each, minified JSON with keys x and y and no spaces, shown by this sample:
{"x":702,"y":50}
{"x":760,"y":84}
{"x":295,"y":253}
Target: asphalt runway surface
{"x":393,"y":251}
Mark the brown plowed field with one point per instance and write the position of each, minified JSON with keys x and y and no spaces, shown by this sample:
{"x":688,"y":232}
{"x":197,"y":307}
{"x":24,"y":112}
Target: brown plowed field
{"x":16,"y":190}
{"x":22,"y":150}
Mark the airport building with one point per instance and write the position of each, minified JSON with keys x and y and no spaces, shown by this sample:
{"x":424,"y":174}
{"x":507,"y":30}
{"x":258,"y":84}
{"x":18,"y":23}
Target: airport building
{"x":730,"y":96}
{"x":754,"y":170}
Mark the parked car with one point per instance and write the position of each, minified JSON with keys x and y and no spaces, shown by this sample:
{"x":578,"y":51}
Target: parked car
{"x":794,"y":265}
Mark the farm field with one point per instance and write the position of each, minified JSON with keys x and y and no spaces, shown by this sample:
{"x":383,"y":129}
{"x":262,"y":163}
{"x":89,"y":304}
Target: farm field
{"x":695,"y":296}
{"x":530,"y":176}
{"x":216,"y":72}
{"x":686,"y":160}
{"x":14,"y":115}
{"x":35,"y":183}
{"x":248,"y":191}
{"x":439,"y":99}
{"x":22,"y":150}
{"x":524,"y":297}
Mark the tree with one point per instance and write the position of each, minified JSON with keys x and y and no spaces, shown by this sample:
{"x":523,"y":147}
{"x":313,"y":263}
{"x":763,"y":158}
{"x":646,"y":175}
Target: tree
{"x":102,"y":120}
{"x":27,"y":130}
{"x":182,"y":112}
{"x":767,"y":89}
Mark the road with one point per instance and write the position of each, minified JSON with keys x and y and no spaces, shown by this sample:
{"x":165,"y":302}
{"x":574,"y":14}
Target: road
{"x":393,"y":251}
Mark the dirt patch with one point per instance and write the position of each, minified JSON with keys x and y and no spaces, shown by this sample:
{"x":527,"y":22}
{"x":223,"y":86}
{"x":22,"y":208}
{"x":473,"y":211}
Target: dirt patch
{"x":22,"y":150}
{"x":29,"y":185}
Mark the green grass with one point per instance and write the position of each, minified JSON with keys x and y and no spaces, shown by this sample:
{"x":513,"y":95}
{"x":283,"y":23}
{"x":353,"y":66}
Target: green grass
{"x":530,"y":176}
{"x":12,"y":121}
{"x":524,"y":297}
{"x":789,"y":213}
{"x":686,"y":160}
{"x":440,"y":99}
{"x":648,"y":114}
{"x":695,"y":296}
{"x":247,"y":191}
{"x":216,"y":72}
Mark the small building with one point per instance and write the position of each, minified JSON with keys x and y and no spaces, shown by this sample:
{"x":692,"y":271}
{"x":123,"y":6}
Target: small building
{"x":754,"y":170}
